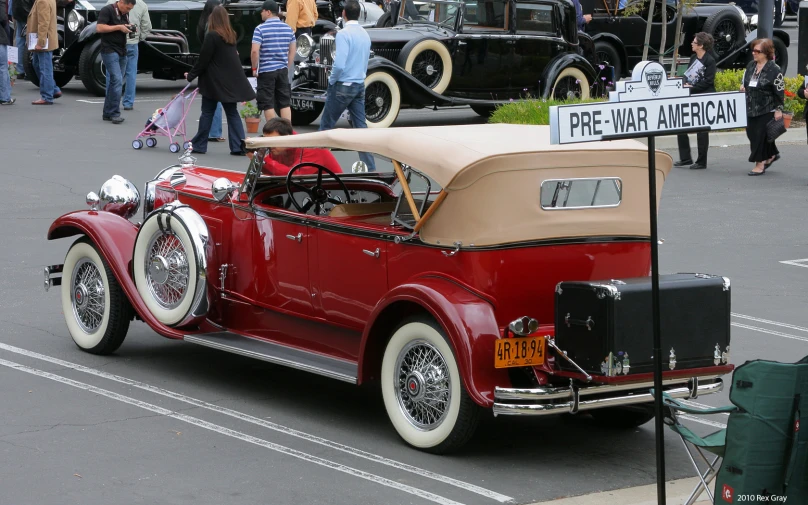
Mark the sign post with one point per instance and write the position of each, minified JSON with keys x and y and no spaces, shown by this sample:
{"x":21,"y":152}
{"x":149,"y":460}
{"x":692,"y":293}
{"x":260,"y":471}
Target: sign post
{"x":649,"y":105}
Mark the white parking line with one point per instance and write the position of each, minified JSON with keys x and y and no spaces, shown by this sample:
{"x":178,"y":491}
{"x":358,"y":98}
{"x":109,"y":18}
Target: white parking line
{"x":770,"y":332}
{"x":768,"y":321}
{"x":234,"y":434}
{"x":263,"y":423}
{"x":796,"y":263}
{"x":139,"y":100}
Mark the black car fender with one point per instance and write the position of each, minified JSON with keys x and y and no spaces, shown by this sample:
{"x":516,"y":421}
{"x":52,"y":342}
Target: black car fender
{"x":615,"y":41}
{"x":561,"y":62}
{"x":72,"y":54}
{"x":413,"y":92}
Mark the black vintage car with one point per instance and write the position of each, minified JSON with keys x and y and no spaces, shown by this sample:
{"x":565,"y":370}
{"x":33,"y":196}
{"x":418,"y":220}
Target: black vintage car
{"x":620,"y":37}
{"x":441,"y":53}
{"x":174,"y":44}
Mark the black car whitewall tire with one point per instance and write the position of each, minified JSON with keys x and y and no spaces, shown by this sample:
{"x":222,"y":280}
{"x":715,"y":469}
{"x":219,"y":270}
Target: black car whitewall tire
{"x":422,"y":390}
{"x":573,"y":77}
{"x":382,"y":100}
{"x":429,"y":61}
{"x":165,"y":264}
{"x":96,"y":310}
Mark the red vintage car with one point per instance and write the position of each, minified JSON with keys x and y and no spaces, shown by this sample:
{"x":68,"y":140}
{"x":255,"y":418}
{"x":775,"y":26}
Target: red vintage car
{"x":436,"y":275}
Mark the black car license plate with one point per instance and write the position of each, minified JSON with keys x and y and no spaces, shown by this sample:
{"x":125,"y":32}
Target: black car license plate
{"x":300,"y":104}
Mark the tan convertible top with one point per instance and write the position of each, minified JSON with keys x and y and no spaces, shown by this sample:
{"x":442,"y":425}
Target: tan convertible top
{"x":447,"y":153}
{"x":492,"y":177}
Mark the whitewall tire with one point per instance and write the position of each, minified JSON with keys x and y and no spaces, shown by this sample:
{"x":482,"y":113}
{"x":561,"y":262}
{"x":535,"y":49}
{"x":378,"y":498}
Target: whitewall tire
{"x":569,"y":74}
{"x":165,"y":265}
{"x":428,"y":61}
{"x":382,"y":100}
{"x":422,"y":390}
{"x":97,"y":312}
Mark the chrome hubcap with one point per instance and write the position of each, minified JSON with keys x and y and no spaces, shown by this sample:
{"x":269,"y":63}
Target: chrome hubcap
{"x":423,"y":386}
{"x":167,"y":270}
{"x":87,"y":294}
{"x":430,"y":70}
{"x":379,"y":101}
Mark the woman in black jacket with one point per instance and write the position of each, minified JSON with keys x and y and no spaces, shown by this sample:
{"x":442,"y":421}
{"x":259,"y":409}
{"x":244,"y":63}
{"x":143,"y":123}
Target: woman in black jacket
{"x":221,"y":79}
{"x":700,"y":78}
{"x":764,"y":85}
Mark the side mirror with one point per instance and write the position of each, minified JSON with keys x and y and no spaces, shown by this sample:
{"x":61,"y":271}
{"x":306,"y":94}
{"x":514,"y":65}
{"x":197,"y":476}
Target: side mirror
{"x":359,"y":167}
{"x":222,"y":189}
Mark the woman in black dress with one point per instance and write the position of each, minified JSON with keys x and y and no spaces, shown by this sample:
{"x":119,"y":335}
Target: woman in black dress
{"x":221,"y":79}
{"x":700,"y":78}
{"x":764,"y":85}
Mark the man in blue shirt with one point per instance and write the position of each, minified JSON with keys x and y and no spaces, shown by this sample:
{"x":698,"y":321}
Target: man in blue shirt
{"x":273,"y":50}
{"x":346,"y":84}
{"x":581,"y":18}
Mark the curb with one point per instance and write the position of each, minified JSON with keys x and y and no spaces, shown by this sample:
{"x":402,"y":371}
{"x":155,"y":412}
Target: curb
{"x":676,"y":493}
{"x":726,"y":139}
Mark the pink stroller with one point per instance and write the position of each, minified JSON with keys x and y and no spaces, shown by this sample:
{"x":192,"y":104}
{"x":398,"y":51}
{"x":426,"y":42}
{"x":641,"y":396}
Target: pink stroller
{"x":168,"y":122}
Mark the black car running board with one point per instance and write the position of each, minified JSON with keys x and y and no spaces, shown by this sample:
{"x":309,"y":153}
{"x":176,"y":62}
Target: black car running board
{"x":278,"y":354}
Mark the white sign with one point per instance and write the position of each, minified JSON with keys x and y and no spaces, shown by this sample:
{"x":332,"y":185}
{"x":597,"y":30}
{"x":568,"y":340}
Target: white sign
{"x":649,"y":103}
{"x":13,"y":55}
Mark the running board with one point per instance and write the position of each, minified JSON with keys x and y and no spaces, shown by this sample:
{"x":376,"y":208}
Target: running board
{"x":278,"y":354}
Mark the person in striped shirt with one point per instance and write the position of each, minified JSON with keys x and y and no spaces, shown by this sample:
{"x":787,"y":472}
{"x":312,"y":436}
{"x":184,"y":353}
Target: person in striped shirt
{"x":273,"y":51}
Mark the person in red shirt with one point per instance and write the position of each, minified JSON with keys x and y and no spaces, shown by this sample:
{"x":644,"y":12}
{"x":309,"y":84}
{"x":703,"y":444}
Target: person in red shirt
{"x":281,"y":160}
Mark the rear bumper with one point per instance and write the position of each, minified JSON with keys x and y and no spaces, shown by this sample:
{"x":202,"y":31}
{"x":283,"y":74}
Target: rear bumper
{"x":573,"y":399}
{"x":53,"y":276}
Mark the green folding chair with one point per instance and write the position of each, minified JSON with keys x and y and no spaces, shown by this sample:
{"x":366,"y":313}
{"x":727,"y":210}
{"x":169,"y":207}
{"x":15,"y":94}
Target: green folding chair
{"x":762,"y":450}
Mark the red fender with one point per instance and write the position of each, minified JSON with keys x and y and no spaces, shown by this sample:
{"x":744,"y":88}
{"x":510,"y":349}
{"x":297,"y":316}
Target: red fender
{"x":114,"y":237}
{"x":466,"y":317}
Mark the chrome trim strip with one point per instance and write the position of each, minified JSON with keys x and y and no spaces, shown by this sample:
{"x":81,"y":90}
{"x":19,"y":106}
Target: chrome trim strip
{"x":51,"y":278}
{"x":271,"y":359}
{"x":575,"y":405}
{"x":538,"y":394}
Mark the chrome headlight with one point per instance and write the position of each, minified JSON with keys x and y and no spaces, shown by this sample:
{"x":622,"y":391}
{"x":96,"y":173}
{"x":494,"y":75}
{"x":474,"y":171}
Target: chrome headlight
{"x":75,"y":21}
{"x":305,"y":44}
{"x":119,"y":196}
{"x":334,"y":51}
{"x":173,"y":174}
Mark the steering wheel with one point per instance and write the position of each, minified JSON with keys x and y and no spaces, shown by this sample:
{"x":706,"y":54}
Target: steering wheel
{"x":318,"y":196}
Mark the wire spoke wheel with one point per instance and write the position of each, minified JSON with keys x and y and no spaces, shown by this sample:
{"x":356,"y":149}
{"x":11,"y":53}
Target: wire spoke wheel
{"x":423,"y":384}
{"x":378,"y":100}
{"x":166,"y":267}
{"x":87,"y":296}
{"x":567,"y":88}
{"x":724,"y":36}
{"x":428,"y":68}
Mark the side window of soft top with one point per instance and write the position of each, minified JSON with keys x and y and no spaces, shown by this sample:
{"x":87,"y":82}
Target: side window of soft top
{"x":486,"y":14}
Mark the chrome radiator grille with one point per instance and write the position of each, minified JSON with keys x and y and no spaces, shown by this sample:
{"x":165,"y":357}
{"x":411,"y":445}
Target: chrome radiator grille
{"x":322,"y":78}
{"x":326,"y":45}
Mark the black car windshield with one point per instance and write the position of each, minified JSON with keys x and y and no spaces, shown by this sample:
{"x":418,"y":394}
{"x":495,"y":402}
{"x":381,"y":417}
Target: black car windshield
{"x":438,"y":12}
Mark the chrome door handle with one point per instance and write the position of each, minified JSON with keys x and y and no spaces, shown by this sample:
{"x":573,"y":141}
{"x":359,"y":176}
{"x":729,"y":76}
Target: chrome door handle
{"x":298,"y":237}
{"x":375,"y":253}
{"x":461,"y":43}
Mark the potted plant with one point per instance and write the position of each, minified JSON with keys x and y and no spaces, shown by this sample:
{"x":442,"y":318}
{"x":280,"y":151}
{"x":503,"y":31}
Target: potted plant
{"x":251,"y":115}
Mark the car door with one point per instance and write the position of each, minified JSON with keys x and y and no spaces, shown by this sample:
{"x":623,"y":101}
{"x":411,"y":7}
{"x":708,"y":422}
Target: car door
{"x":280,"y":276}
{"x":484,"y":56}
{"x":539,"y":41}
{"x":351,"y":274}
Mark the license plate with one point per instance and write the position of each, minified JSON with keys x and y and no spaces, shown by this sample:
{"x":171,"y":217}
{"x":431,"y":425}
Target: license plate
{"x":520,"y":351}
{"x":299,"y":104}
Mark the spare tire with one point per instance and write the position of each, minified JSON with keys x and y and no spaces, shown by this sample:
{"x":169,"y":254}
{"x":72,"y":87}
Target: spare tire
{"x":384,"y":21}
{"x":726,"y":27}
{"x":169,"y":265}
{"x":429,"y":61}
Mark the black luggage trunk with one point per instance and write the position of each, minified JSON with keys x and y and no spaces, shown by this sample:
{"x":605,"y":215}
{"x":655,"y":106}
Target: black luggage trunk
{"x":603,"y":325}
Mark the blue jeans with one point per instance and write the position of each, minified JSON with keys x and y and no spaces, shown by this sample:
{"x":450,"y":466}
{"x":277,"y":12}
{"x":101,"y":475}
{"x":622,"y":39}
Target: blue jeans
{"x":19,"y":41}
{"x":235,"y":130}
{"x":131,"y":75}
{"x":43,"y":64}
{"x":116,"y":68}
{"x":5,"y":79}
{"x":216,"y":127}
{"x":351,"y":96}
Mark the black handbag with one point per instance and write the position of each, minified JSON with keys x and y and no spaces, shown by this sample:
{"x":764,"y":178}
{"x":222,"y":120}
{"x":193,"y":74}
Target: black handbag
{"x":774,"y":129}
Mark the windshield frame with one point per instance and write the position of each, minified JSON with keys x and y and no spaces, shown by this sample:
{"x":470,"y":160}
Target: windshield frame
{"x":458,"y":16}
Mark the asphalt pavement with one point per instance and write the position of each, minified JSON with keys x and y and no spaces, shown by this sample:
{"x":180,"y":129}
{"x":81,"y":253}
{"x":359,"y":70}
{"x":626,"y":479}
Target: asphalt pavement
{"x":171,"y":423}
